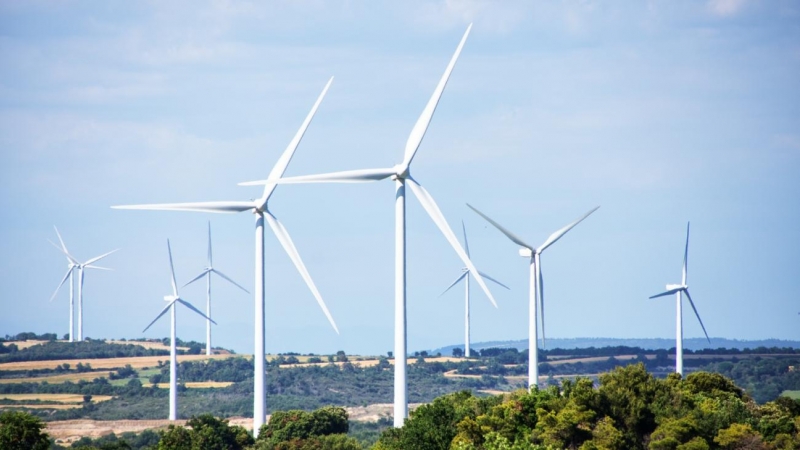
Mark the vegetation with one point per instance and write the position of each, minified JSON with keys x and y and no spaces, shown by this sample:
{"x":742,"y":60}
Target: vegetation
{"x":55,"y":350}
{"x":21,"y":431}
{"x":629,"y":410}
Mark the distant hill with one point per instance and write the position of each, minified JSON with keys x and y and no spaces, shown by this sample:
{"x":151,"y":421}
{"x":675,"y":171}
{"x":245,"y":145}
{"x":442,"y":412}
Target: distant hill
{"x":645,"y":343}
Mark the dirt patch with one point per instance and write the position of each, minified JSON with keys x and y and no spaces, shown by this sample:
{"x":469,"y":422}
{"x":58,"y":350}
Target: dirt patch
{"x":66,"y":431}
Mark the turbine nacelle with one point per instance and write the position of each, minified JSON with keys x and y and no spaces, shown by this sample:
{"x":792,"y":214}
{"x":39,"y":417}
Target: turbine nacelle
{"x":171,"y":298}
{"x":526,"y":252}
{"x":676,"y":287}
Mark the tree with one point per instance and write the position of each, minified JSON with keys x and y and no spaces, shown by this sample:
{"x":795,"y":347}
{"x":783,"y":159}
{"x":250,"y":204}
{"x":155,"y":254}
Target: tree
{"x":739,"y":436}
{"x":22,"y":431}
{"x":287,"y":426}
{"x":458,"y":352}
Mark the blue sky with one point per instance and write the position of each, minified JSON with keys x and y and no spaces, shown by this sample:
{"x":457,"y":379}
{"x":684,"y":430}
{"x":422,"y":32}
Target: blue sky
{"x":660,"y":112}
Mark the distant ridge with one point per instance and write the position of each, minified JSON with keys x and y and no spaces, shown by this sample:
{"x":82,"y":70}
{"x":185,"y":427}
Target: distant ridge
{"x":645,"y":343}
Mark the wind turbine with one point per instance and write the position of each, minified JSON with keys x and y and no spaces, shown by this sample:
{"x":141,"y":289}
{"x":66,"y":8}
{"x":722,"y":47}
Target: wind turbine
{"x":465,"y":276}
{"x":679,"y":290}
{"x":75,"y":264}
{"x":261,"y":211}
{"x":70,"y":270}
{"x":207,"y":273}
{"x":401,"y":175}
{"x":536,"y":287}
{"x":173,"y":359}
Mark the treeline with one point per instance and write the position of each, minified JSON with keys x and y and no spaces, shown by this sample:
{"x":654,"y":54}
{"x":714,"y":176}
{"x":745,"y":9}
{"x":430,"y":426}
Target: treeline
{"x":763,"y":378}
{"x":79,"y":350}
{"x":30,"y":336}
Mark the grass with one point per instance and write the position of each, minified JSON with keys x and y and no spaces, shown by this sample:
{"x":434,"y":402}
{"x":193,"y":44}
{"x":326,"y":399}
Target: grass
{"x":791,"y":394}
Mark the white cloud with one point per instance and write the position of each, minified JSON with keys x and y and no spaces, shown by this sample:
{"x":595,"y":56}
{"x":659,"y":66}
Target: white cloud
{"x":726,"y":8}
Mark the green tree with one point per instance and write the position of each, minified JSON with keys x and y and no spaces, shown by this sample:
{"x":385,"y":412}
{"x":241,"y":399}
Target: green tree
{"x":286,"y":426}
{"x":22,"y":431}
{"x":739,"y":436}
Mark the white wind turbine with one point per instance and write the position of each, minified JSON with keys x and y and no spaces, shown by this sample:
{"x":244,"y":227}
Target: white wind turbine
{"x":536,"y":287}
{"x":401,"y":175}
{"x":207,"y":273}
{"x":173,"y":359}
{"x":73,"y":265}
{"x":679,"y":290}
{"x":260,"y":209}
{"x":465,"y":276}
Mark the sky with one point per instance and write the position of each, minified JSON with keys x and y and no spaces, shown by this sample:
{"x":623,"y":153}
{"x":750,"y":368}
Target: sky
{"x":660,"y":112}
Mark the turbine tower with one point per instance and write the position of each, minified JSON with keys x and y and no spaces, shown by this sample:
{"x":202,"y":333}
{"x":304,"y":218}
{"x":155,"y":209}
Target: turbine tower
{"x":679,"y":290}
{"x":173,"y":359}
{"x":75,"y":264}
{"x":465,"y":276}
{"x":70,"y":271}
{"x":207,"y":273}
{"x":261,"y":211}
{"x":401,"y":175}
{"x":536,"y":287}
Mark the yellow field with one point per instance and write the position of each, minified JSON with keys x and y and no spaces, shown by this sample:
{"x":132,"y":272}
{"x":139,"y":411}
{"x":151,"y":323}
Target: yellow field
{"x":147,"y":345}
{"x":138,"y":362}
{"x":195,"y":384}
{"x":60,"y":398}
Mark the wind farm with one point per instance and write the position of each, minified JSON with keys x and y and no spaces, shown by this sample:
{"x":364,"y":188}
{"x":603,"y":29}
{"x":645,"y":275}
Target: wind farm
{"x":504,"y":117}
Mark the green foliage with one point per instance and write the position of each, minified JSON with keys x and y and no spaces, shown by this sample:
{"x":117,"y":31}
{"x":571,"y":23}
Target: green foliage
{"x":205,"y":432}
{"x":629,"y":410}
{"x":286,"y":426}
{"x":21,"y":431}
{"x":79,"y":350}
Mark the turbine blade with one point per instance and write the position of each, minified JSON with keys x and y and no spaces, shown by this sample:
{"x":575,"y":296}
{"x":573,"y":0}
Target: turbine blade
{"x":210,"y":259}
{"x":347,"y":176}
{"x":686,"y":291}
{"x":209,"y":207}
{"x":514,"y":238}
{"x":190,"y":306}
{"x":63,"y":280}
{"x":460,"y":277}
{"x":291,"y":250}
{"x":665,"y":293}
{"x":98,"y":258}
{"x":438,"y":218}
{"x":96,"y":267}
{"x":557,"y":235}
{"x":64,"y":247}
{"x":202,"y":274}
{"x":163,"y":311}
{"x":466,"y":243}
{"x":172,"y":271}
{"x":229,"y":280}
{"x":484,"y":275}
{"x":686,"y":256}
{"x":424,"y":120}
{"x":70,"y":259}
{"x":283,"y":162}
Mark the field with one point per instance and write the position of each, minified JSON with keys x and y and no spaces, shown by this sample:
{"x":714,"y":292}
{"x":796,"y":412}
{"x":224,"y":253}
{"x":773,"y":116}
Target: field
{"x":138,"y":362}
{"x":48,"y":401}
{"x":791,"y":394}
